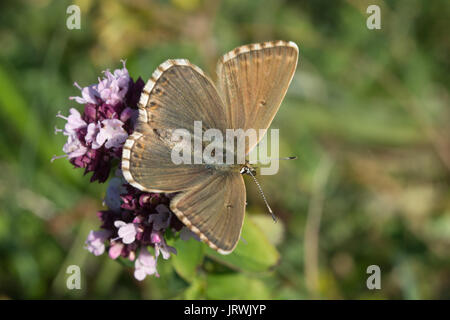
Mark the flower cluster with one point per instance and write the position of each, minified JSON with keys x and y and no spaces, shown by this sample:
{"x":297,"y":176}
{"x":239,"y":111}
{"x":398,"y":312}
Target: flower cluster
{"x":95,"y":138}
{"x":134,"y":221}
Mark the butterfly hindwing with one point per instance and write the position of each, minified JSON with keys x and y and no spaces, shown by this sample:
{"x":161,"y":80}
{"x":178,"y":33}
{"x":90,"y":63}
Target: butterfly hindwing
{"x":214,"y":210}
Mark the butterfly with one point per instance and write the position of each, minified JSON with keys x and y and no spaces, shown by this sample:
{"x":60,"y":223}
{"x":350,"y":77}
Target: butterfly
{"x":252,"y":81}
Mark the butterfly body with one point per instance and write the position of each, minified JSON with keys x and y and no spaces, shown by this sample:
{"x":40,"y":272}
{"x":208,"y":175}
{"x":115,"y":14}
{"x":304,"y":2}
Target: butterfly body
{"x":210,"y":200}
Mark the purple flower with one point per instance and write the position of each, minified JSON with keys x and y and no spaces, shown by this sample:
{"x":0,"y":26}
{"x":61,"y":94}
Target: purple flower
{"x":137,"y":221}
{"x":74,"y":122}
{"x":161,"y":245}
{"x":115,"y":250}
{"x":115,"y":189}
{"x":145,"y":265}
{"x":112,"y":134}
{"x":88,"y":94}
{"x":161,"y":220}
{"x":95,"y":242}
{"x":127,"y":114}
{"x":112,"y":89}
{"x":127,"y":231}
{"x":96,"y":137}
{"x":73,"y":148}
{"x":91,"y":135}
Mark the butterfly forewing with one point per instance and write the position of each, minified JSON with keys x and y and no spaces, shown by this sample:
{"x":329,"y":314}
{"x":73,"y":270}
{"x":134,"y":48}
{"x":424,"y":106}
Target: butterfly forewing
{"x":253,"y":80}
{"x":177,"y":94}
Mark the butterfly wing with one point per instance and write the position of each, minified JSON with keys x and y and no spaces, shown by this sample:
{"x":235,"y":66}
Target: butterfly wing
{"x":147,"y":164}
{"x":177,"y":94}
{"x":214,"y":210}
{"x":211,"y":202}
{"x":253,"y":80}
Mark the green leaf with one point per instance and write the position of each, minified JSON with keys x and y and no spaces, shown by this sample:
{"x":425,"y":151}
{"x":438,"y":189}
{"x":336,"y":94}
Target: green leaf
{"x":235,"y":286}
{"x":189,"y":256}
{"x":194,"y":291}
{"x":273,"y":231}
{"x":253,"y":254}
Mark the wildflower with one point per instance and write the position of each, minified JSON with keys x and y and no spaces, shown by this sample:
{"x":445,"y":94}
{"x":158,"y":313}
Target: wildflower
{"x":115,"y":189}
{"x":91,"y":135}
{"x":113,"y":88}
{"x":161,"y":220}
{"x":88,"y":94}
{"x":73,"y":148}
{"x":96,"y":137}
{"x":137,"y":221}
{"x":161,"y":245}
{"x":127,"y":231}
{"x":95,"y":242}
{"x":115,"y":250}
{"x":145,"y":265}
{"x":74,"y":122}
{"x":112,"y":134}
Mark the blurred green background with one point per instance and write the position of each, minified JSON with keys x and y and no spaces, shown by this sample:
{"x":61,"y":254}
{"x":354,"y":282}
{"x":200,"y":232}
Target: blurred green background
{"x":367,"y":114}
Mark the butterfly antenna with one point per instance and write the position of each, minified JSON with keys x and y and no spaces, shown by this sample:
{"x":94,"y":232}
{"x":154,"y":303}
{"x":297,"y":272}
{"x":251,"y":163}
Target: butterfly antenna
{"x":274,"y":217}
{"x":277,"y":159}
